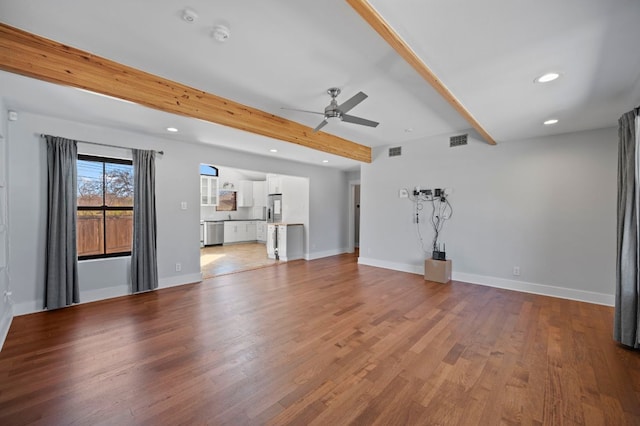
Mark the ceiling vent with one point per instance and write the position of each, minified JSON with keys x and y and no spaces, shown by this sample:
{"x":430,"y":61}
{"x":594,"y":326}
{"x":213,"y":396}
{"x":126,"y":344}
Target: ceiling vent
{"x":458,"y":140}
{"x":395,"y":152}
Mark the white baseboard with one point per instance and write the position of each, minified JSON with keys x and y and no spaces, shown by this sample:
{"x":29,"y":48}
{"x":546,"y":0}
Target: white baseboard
{"x":5,"y":323}
{"x":522,"y":286}
{"x":534,"y":288}
{"x":180,"y":280}
{"x":106,"y":293}
{"x":402,"y":267}
{"x":30,"y":307}
{"x":326,"y":253}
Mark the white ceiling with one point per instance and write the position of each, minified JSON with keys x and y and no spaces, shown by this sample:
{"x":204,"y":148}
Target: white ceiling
{"x":285,"y":53}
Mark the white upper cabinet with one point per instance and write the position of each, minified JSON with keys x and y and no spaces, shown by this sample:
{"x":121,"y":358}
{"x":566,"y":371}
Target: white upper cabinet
{"x":245,"y":193}
{"x":208,"y":190}
{"x":260,"y":193}
{"x":275,"y":184}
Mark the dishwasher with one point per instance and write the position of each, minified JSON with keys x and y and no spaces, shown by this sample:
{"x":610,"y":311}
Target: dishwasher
{"x":213,"y":233}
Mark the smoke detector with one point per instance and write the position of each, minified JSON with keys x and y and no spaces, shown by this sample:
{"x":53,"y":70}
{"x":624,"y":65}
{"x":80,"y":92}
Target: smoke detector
{"x":189,"y":15}
{"x":221,"y":33}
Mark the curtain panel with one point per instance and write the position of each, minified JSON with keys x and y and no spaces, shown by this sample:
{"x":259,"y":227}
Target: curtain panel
{"x":144,"y":269}
{"x":627,"y":315}
{"x":61,"y":276}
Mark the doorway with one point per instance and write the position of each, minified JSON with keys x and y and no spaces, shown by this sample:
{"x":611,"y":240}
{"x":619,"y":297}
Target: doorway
{"x":236,"y":204}
{"x":354,"y":216}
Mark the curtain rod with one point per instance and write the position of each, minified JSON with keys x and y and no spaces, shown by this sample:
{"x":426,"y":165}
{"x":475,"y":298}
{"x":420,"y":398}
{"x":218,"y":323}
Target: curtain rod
{"x":106,"y":144}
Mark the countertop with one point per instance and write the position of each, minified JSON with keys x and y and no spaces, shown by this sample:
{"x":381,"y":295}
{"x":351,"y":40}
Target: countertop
{"x":235,"y":220}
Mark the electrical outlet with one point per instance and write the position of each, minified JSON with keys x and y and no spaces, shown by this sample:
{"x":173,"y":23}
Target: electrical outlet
{"x":403,"y":193}
{"x":516,"y":271}
{"x":178,"y":267}
{"x":183,"y":205}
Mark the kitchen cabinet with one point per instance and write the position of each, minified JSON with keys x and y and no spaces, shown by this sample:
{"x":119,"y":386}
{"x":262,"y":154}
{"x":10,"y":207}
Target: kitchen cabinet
{"x":274,"y":183}
{"x":260,"y":193}
{"x":285,"y":241}
{"x":208,"y":190}
{"x":239,"y":231}
{"x":245,"y":193}
{"x":250,"y":232}
{"x":261,"y":231}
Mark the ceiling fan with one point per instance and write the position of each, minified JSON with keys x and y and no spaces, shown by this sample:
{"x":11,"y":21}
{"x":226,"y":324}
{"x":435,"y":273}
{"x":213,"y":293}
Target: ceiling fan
{"x":335,"y":111}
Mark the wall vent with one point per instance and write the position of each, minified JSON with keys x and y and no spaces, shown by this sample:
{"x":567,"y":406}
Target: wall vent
{"x":395,"y":151}
{"x":458,"y":140}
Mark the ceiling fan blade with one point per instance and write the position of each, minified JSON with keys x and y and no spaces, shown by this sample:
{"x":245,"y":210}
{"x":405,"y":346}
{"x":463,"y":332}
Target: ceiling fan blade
{"x":353,"y":101}
{"x":321,"y":125}
{"x":358,"y":120}
{"x":302,"y":110}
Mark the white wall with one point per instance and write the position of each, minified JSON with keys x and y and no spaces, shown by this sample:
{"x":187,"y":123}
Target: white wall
{"x":546,"y":205}
{"x":177,"y":180}
{"x":6,"y":310}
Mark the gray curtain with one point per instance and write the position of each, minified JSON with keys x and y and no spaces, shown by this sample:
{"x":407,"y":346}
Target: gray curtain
{"x":61,"y":279}
{"x":144,"y":268}
{"x":627,"y":318}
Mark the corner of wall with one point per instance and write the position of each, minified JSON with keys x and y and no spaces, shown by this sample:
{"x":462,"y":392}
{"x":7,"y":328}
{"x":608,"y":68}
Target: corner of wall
{"x":5,"y":323}
{"x":6,"y":309}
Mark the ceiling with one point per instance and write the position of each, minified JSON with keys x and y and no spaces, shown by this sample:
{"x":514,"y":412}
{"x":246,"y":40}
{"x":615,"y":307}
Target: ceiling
{"x":288,"y":53}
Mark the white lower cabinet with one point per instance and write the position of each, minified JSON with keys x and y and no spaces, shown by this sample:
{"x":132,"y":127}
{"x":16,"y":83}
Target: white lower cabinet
{"x":261,"y":231}
{"x":250,"y":231}
{"x":285,"y":241}
{"x":239,"y":231}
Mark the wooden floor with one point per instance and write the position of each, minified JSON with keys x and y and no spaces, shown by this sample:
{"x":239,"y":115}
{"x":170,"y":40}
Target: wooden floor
{"x":221,"y":260}
{"x":326,"y":342}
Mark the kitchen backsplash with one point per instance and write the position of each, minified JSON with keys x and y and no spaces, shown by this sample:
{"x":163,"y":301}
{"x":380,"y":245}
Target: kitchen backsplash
{"x":210,"y":213}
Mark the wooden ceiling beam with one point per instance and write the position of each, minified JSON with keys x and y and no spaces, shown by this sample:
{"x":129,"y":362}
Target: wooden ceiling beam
{"x":377,"y":22}
{"x":33,"y":56}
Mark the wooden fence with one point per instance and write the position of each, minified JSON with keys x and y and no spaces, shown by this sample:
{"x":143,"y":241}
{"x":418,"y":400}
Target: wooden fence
{"x":91,"y":236}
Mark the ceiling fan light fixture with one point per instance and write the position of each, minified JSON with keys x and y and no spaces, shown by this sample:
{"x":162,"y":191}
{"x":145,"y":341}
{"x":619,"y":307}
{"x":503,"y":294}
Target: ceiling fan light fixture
{"x":548,"y":77}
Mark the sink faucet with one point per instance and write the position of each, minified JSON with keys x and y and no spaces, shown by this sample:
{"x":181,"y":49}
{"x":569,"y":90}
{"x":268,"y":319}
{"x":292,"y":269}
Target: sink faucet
{"x":229,"y":216}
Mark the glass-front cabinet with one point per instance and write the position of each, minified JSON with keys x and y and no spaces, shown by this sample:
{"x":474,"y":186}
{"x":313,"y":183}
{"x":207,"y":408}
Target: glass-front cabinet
{"x":208,"y":190}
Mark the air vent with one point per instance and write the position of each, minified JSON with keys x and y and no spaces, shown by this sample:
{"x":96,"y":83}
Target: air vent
{"x":395,"y":152}
{"x":458,"y":140}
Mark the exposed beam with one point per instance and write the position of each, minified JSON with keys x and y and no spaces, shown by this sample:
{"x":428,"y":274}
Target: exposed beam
{"x":377,"y":22}
{"x":37,"y":57}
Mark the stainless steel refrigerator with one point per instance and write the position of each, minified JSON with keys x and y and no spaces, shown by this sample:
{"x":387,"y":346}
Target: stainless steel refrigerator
{"x":274,"y":208}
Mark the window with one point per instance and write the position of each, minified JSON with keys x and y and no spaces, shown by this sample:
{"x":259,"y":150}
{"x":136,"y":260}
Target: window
{"x":227,"y":202}
{"x":105,"y":207}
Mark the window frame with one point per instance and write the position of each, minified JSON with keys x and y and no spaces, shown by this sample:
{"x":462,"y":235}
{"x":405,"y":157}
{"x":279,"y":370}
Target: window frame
{"x":104,"y":208}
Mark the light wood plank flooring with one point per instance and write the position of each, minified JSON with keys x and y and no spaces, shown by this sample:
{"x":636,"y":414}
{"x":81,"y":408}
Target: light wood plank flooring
{"x":326,"y":342}
{"x":220,"y":260}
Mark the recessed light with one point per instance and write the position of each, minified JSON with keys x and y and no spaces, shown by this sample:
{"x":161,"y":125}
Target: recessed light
{"x":550,"y":122}
{"x":546,"y":78}
{"x":273,"y":150}
{"x":172,"y":129}
{"x":325,"y":161}
{"x":189,"y":15}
